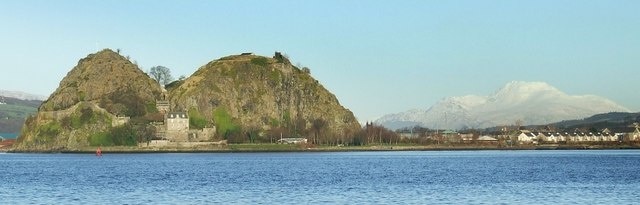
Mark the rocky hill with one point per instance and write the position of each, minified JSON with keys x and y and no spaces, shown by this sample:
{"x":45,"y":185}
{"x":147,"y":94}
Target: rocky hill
{"x":529,"y":103}
{"x":81,"y":110}
{"x":244,"y":97}
{"x":108,"y":79}
{"x":262,"y":94}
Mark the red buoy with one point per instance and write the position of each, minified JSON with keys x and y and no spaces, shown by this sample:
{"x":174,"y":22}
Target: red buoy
{"x":99,"y":152}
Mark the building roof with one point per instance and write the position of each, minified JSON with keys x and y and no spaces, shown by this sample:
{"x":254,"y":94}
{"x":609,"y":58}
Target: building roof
{"x":174,"y":115}
{"x":449,"y":132}
{"x":487,"y":138}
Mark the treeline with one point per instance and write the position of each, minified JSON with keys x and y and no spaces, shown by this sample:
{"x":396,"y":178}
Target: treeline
{"x":318,"y":133}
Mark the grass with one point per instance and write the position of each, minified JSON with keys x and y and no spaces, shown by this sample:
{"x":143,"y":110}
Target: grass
{"x":261,"y":61}
{"x":100,"y":139}
{"x":224,"y":122}
{"x":196,"y":120}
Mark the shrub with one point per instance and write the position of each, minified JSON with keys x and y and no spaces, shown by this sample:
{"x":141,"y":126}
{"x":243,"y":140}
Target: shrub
{"x":196,"y":120}
{"x":50,"y":129}
{"x":261,"y":61}
{"x":124,"y":135}
{"x":100,"y":139}
{"x":224,"y":122}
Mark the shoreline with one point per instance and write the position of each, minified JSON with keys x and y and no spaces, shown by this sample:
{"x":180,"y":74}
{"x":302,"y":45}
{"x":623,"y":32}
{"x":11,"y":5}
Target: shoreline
{"x":266,"y":148}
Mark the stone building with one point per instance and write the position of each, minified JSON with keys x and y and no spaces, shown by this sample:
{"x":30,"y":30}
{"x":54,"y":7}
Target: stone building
{"x":177,"y":124}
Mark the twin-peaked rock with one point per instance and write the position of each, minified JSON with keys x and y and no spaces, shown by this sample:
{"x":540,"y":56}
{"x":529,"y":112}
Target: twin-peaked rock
{"x":236,"y":94}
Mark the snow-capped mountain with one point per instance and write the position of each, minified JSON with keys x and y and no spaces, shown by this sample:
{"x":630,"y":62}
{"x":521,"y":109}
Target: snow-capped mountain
{"x":21,"y":95}
{"x":527,"y":102}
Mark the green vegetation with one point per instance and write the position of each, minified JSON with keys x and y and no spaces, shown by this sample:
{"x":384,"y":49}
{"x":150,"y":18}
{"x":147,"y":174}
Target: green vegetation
{"x":124,"y":135}
{"x":14,"y":113}
{"x":261,"y":61}
{"x":196,"y":120}
{"x":49,"y":130}
{"x":85,"y":115}
{"x":151,"y":107}
{"x":274,"y":76}
{"x":100,"y":139}
{"x":225,"y":123}
{"x":81,"y":96}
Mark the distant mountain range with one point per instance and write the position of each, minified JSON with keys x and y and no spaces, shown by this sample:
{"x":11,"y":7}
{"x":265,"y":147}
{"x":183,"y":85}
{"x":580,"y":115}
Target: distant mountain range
{"x":527,"y":103}
{"x":21,"y":95}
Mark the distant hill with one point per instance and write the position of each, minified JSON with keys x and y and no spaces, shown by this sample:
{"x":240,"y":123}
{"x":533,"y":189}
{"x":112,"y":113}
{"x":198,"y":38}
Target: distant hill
{"x":613,"y":121}
{"x":14,"y":111}
{"x":21,"y":95}
{"x":530,"y":103}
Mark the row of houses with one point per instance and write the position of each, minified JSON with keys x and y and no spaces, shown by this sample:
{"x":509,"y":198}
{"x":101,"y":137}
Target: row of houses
{"x":525,"y":136}
{"x":535,"y":137}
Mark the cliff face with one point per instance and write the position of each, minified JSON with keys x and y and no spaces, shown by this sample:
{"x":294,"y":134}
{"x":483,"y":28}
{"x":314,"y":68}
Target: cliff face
{"x":81,"y":110}
{"x":260,"y":93}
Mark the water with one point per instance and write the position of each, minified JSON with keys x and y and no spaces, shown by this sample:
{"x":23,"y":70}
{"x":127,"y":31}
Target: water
{"x":458,"y":177}
{"x":9,"y":135}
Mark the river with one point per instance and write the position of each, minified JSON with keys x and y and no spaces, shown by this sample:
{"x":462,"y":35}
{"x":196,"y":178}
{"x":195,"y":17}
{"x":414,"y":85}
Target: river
{"x":401,"y":177}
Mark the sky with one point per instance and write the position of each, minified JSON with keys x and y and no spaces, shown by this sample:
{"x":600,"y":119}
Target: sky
{"x":377,"y":57}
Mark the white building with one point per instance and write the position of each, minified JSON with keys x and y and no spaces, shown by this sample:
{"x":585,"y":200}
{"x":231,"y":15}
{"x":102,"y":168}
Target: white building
{"x":292,"y":141}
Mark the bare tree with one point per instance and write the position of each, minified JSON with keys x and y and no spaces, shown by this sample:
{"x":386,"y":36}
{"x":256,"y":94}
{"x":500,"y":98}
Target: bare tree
{"x":161,"y":74}
{"x":318,"y":125}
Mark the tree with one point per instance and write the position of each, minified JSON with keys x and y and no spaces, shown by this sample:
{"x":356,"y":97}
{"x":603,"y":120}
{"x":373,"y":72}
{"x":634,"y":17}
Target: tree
{"x":161,"y":74}
{"x":318,"y":125}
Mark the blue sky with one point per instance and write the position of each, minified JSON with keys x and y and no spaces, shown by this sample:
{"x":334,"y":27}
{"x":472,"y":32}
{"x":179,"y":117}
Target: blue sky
{"x":377,"y":57}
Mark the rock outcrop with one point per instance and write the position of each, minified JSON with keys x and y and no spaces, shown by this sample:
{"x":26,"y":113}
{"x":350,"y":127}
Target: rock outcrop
{"x":81,"y":110}
{"x":107,"y":100}
{"x":260,"y":93}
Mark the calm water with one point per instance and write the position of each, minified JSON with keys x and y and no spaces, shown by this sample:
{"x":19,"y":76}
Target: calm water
{"x":460,"y":177}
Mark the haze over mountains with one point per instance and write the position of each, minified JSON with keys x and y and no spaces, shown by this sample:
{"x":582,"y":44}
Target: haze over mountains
{"x":528,"y":103}
{"x":21,"y":95}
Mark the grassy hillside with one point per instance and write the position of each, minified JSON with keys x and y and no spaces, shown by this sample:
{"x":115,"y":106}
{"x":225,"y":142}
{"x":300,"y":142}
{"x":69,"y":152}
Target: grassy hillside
{"x":14,"y":112}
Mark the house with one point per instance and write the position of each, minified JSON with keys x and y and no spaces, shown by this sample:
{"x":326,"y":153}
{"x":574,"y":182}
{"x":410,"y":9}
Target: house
{"x":292,"y":141}
{"x":548,"y":137}
{"x":408,"y":135}
{"x":487,"y":139}
{"x":526,"y":136}
{"x":177,"y":121}
{"x":451,"y":136}
{"x":635,"y":136}
{"x":177,"y":126}
{"x":467,"y":137}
